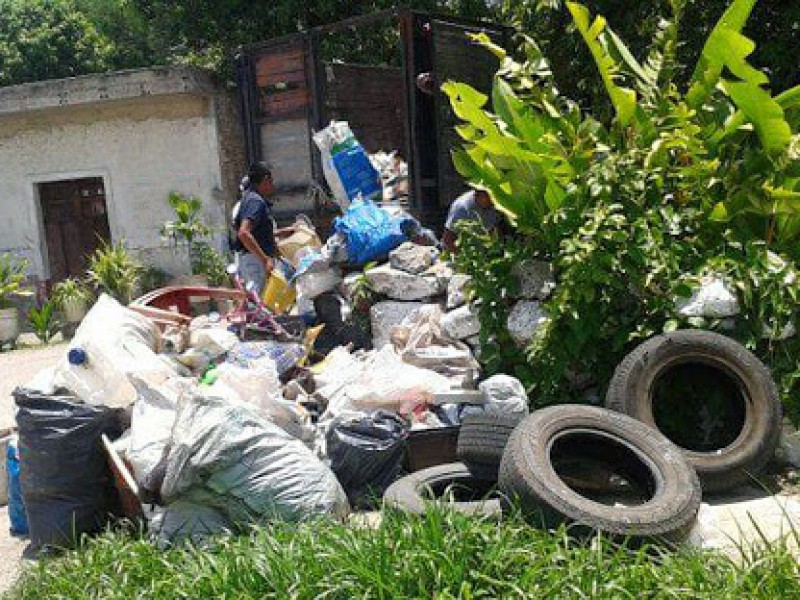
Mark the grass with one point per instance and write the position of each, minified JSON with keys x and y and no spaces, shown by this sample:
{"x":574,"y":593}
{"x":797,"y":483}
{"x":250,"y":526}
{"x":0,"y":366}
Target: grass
{"x":441,"y":555}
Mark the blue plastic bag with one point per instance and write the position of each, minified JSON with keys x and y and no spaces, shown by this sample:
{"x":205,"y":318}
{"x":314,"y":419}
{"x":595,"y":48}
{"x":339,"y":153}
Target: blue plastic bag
{"x":370,"y":232}
{"x":359,"y":178}
{"x":16,"y":508}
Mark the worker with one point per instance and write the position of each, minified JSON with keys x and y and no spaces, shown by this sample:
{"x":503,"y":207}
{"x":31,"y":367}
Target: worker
{"x":255,"y":241}
{"x":475,"y":205}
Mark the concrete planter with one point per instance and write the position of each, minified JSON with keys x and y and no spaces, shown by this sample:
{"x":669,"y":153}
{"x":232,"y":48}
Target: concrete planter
{"x":9,"y":325}
{"x":74,"y":310}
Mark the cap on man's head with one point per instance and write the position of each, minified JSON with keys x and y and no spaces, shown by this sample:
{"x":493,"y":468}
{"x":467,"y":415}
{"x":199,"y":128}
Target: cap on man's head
{"x":258,"y":172}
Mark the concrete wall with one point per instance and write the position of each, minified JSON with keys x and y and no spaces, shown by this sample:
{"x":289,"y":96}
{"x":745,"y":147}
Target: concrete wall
{"x":143,"y":147}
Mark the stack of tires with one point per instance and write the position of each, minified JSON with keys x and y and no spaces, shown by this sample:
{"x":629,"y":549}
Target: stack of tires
{"x":687,"y":413}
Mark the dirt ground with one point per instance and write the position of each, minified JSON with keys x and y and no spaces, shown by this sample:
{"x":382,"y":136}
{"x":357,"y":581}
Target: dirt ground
{"x":17,"y":368}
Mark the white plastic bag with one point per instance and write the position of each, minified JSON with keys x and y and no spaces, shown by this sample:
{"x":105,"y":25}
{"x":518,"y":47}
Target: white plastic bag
{"x":502,"y":394}
{"x":387,"y":382}
{"x":420,"y":341}
{"x":260,"y":387}
{"x":225,"y":456}
{"x":314,"y":283}
{"x":152,"y":419}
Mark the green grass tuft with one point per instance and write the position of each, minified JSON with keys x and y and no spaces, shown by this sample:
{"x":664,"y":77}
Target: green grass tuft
{"x":441,"y":555}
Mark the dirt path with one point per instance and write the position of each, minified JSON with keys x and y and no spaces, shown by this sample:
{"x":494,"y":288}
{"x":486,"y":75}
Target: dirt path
{"x":17,"y":368}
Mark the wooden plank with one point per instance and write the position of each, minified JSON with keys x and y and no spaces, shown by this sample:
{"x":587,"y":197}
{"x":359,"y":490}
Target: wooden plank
{"x":278,"y":62}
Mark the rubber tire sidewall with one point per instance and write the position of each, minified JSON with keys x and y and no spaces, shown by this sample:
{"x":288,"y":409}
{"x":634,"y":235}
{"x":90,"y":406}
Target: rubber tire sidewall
{"x":631,"y":388}
{"x":407,"y":494}
{"x":527,"y":474}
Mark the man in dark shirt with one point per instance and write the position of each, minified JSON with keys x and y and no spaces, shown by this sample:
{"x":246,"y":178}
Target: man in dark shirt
{"x":255,"y":227}
{"x":475,"y":205}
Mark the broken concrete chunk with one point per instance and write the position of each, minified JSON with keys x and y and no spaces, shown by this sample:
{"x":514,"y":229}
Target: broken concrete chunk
{"x":399,"y":285}
{"x":787,"y":454}
{"x":778,"y":334}
{"x":536,"y":279}
{"x":412,"y":258}
{"x":461,"y":323}
{"x":385,"y":315}
{"x":711,"y":299}
{"x":442,"y":273}
{"x":456,"y":291}
{"x":525,"y":320}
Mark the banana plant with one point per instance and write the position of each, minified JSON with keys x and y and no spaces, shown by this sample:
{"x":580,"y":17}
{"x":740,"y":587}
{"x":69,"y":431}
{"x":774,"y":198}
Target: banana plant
{"x":723,"y":146}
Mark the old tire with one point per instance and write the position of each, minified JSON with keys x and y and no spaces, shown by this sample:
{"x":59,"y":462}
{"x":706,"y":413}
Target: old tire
{"x":547,"y":443}
{"x":483,"y":438}
{"x":747,"y":442}
{"x":470,"y":491}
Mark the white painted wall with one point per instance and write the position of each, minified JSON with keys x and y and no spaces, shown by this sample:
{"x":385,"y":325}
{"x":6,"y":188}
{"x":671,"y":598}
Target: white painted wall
{"x":140,"y":159}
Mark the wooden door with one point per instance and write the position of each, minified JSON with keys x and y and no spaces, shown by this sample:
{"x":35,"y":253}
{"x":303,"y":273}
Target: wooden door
{"x":75,"y":223}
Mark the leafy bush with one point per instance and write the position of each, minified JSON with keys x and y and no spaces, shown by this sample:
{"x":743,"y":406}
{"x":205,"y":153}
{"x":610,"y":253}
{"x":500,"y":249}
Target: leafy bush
{"x":212,"y":264}
{"x":12,"y":277}
{"x":114,"y":271}
{"x":42,"y":319}
{"x":70,"y":289}
{"x":634,"y":209}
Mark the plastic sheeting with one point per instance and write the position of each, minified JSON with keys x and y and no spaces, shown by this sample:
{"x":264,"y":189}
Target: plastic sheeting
{"x":420,"y":341}
{"x":369,"y":231}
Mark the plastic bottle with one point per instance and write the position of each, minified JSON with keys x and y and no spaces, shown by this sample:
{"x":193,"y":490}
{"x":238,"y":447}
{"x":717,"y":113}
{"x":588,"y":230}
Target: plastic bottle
{"x":16,"y":508}
{"x":79,"y":375}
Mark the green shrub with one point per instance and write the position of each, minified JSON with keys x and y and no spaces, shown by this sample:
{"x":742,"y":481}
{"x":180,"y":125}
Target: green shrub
{"x":114,"y":271}
{"x":634,"y":209}
{"x":12,"y":278}
{"x":42,"y":319}
{"x":70,"y":289}
{"x":207,"y":261}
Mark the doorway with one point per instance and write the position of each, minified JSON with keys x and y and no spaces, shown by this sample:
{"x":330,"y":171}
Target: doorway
{"x":75,"y":223}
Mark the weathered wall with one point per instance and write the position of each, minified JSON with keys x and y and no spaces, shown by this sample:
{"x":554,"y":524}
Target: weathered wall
{"x":142,"y":147}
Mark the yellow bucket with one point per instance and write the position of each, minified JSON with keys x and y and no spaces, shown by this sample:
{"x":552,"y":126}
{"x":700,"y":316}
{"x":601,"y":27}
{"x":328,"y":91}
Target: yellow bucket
{"x":278,"y":294}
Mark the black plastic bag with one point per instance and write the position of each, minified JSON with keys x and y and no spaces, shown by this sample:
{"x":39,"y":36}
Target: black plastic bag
{"x":341,"y":326}
{"x":366,"y":453}
{"x":67,"y":486}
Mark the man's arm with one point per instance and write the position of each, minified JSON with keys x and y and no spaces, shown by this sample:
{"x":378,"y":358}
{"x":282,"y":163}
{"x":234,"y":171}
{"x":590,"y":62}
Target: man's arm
{"x":245,"y":234}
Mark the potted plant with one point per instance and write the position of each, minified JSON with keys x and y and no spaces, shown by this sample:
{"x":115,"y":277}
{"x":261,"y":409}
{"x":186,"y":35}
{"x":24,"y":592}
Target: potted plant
{"x":187,"y":230}
{"x":12,"y":276}
{"x":72,"y":296}
{"x":114,"y":271}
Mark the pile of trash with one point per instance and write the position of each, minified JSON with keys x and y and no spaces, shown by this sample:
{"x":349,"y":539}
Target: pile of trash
{"x":218,"y":431}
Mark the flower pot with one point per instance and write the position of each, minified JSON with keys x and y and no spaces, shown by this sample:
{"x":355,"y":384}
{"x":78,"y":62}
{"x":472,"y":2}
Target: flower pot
{"x":74,"y":310}
{"x":9,"y":325}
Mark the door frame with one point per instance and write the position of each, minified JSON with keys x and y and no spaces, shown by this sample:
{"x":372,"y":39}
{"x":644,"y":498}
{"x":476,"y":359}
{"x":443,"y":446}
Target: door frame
{"x":41,"y":253}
